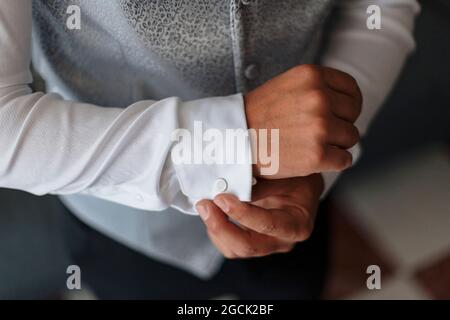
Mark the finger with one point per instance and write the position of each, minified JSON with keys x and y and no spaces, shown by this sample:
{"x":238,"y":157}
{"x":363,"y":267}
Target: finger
{"x":227,"y":252}
{"x":205,"y":214}
{"x":336,"y":159}
{"x":242,"y":243}
{"x":286,"y":187}
{"x":285,"y":224}
{"x":345,"y":107}
{"x":342,"y":82}
{"x":265,"y":188}
{"x":342,"y":134}
{"x":273,"y":202}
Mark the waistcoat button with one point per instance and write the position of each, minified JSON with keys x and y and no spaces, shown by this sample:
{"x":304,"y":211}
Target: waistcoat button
{"x":248,"y":2}
{"x":251,"y":72}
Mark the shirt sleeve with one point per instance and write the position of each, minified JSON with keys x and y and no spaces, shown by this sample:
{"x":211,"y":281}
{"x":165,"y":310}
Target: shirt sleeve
{"x":51,"y":145}
{"x":374,"y":57}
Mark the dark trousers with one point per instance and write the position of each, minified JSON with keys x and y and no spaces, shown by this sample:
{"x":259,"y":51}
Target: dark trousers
{"x":114,"y":271}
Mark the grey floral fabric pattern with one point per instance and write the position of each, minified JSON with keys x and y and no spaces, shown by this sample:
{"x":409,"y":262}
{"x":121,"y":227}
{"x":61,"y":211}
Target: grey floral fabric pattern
{"x":191,"y":36}
{"x":193,"y":48}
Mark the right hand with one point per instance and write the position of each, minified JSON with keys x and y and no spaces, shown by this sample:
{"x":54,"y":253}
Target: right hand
{"x":314,"y":109}
{"x":281,"y":214}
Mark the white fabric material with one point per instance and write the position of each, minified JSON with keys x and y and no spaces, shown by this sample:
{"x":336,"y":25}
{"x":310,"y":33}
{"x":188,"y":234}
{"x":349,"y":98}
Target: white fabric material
{"x":52,"y":145}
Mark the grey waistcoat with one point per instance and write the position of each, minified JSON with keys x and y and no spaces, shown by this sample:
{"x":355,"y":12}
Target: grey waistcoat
{"x":130,"y":50}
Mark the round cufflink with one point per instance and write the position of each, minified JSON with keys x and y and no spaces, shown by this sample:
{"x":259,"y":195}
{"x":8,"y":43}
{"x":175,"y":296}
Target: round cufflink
{"x":220,"y":185}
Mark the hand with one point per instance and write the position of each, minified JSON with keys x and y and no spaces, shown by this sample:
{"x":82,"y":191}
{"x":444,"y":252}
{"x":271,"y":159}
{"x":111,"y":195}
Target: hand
{"x":314,"y":109}
{"x":282,"y":214}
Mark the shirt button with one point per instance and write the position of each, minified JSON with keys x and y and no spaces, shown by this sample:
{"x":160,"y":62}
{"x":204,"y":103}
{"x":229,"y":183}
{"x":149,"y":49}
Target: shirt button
{"x":252,"y":72}
{"x":220,"y":185}
{"x":139,"y":198}
{"x":248,"y":2}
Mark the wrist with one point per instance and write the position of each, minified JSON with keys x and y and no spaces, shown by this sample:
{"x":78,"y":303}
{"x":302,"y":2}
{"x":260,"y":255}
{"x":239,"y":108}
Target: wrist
{"x":256,"y":167}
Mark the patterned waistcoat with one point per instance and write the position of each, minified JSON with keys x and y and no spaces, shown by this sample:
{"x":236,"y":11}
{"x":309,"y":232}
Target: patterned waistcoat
{"x":128,"y":50}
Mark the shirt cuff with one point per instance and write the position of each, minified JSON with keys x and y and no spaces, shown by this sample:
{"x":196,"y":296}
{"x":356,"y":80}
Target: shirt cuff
{"x":214,"y":133}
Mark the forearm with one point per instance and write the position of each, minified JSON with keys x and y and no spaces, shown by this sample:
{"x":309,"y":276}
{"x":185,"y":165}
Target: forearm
{"x":54,"y":146}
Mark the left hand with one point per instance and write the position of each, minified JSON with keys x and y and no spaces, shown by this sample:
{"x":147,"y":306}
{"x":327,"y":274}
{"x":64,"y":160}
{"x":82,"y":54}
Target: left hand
{"x":282,"y":213}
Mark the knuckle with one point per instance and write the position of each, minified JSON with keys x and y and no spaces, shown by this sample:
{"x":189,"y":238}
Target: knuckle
{"x":309,"y":71}
{"x":348,"y":158}
{"x":317,"y":155}
{"x":305,"y":226}
{"x":341,"y":162}
{"x":352,"y":80}
{"x":286,"y":249}
{"x":297,"y":69}
{"x":357,"y":91}
{"x":292,"y":232}
{"x":320,"y":129}
{"x":305,"y":232}
{"x":347,"y":77}
{"x":235,"y":213}
{"x":355,"y":111}
{"x":247,"y":250}
{"x":354,"y":135}
{"x":268,"y":227}
{"x":358,"y":104}
{"x":229,"y":255}
{"x":213,"y":227}
{"x":297,"y":74}
{"x":319,"y":99}
{"x":297,"y":98}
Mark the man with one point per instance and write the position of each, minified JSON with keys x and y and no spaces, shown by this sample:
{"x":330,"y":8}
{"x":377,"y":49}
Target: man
{"x":136,"y":71}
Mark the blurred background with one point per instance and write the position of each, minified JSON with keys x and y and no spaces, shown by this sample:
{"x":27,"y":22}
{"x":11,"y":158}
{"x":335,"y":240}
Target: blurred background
{"x":392,"y":209}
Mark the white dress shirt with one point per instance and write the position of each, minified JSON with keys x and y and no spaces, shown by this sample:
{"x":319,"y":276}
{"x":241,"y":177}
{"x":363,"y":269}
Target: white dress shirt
{"x":52,"y":143}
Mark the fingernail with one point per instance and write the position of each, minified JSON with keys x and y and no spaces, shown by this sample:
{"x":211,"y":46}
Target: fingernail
{"x":203,"y":212}
{"x":222,"y":204}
